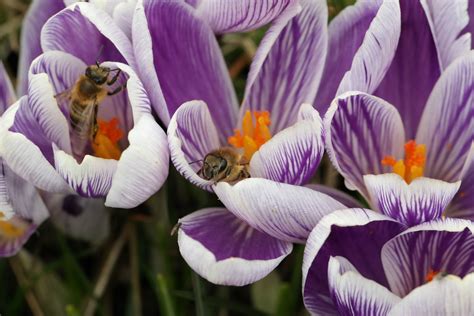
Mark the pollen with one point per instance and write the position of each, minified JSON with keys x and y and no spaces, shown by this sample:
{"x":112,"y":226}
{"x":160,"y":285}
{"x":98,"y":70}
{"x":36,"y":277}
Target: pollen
{"x":10,"y":230}
{"x":431,"y":275}
{"x":255,"y":132}
{"x":105,"y":144}
{"x":413,"y":165}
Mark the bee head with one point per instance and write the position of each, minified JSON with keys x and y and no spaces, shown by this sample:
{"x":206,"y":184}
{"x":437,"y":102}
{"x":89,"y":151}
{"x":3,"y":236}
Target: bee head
{"x":97,"y":74}
{"x":212,"y":166}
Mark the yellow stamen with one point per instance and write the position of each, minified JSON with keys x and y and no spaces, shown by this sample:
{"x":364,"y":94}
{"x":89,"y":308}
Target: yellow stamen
{"x":11,"y":230}
{"x":105,"y":144}
{"x":413,"y":165}
{"x":252,"y":136}
{"x":431,"y":275}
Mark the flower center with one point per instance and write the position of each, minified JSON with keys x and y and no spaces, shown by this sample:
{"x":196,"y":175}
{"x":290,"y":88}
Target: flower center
{"x":105,"y":144}
{"x":8,"y":229}
{"x":253,"y":135}
{"x":412,"y":166}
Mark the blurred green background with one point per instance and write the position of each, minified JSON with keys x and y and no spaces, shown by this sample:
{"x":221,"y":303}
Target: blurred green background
{"x":138,"y":269}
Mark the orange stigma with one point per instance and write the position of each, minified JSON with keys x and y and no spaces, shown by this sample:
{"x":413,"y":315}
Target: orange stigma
{"x":12,"y":228}
{"x":105,"y":144}
{"x":412,"y":166}
{"x":431,"y":275}
{"x":252,"y":135}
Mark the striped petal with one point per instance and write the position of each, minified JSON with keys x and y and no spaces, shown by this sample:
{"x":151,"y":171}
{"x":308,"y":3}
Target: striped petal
{"x":180,"y":61}
{"x":290,"y":59}
{"x":293,"y":154}
{"x":360,"y":131}
{"x":422,"y":200}
{"x":355,"y":234}
{"x":434,"y":247}
{"x":336,"y":194}
{"x":449,"y":115}
{"x":448,"y":295}
{"x":191,"y":136}
{"x":284,"y":211}
{"x":239,"y":16}
{"x":225,"y":250}
{"x":355,"y":295}
{"x":7,"y":94}
{"x":462,"y":205}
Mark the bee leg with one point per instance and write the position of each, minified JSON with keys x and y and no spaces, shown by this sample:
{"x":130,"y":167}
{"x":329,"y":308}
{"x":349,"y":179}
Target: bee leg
{"x":117,"y":90}
{"x":114,"y":78}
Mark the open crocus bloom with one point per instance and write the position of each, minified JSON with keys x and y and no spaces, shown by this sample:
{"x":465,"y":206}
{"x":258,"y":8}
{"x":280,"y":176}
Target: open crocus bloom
{"x":129,"y":148}
{"x":358,"y":262}
{"x":401,"y":176}
{"x":21,"y":208}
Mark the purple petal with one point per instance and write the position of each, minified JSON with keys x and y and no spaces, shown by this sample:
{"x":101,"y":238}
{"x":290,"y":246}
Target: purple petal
{"x":293,"y":154}
{"x":146,"y":160}
{"x":186,"y":62}
{"x":380,"y":42}
{"x":355,"y":295}
{"x":462,"y":205}
{"x":448,"y":20}
{"x":361,"y":130}
{"x":284,"y":211}
{"x":225,"y":250}
{"x":356,"y":234}
{"x":191,"y":136}
{"x":80,"y":218}
{"x":414,"y":69}
{"x":347,"y":33}
{"x":7,"y":94}
{"x":439,"y":246}
{"x":239,"y":16}
{"x":30,"y":47}
{"x":85,"y":31}
{"x":336,"y":194}
{"x":448,"y":295}
{"x":91,"y":178}
{"x":290,"y":59}
{"x":422,"y":200}
{"x":24,"y":157}
{"x":449,"y":115}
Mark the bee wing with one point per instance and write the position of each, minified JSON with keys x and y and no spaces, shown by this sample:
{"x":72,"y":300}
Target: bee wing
{"x":64,"y":100}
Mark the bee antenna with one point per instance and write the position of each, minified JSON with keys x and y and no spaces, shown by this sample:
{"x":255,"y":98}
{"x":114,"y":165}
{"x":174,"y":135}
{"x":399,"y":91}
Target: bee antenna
{"x":195,"y":161}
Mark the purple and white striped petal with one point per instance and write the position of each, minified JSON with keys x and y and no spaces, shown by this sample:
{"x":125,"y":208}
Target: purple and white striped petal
{"x":90,"y":178}
{"x":293,"y":154}
{"x":225,"y":250}
{"x":30,"y":47}
{"x":336,"y":194}
{"x":284,"y":211}
{"x":288,"y":65}
{"x":449,"y":295}
{"x":462,"y":205}
{"x":422,"y":200}
{"x":449,"y":115}
{"x":355,"y":295}
{"x":448,"y":20}
{"x":24,"y":157}
{"x":191,"y":136}
{"x":180,"y":61}
{"x":239,"y":16}
{"x":81,"y":218}
{"x":380,"y":42}
{"x":414,"y":70}
{"x":434,"y":247}
{"x":346,"y":33}
{"x":360,"y":131}
{"x":7,"y":94}
{"x":81,"y":23}
{"x":355,"y":234}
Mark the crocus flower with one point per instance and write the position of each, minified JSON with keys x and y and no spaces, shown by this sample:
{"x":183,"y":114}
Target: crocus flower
{"x":21,"y":208}
{"x":129,"y":149}
{"x":359,"y":262}
{"x":40,"y":11}
{"x":277,"y":132}
{"x":402,"y":177}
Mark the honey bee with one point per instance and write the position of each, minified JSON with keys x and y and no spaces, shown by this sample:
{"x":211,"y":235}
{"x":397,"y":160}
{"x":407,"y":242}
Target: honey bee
{"x":84,"y":98}
{"x":224,"y":164}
